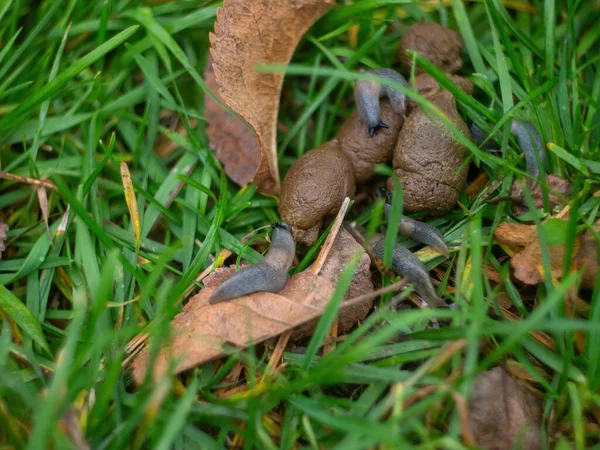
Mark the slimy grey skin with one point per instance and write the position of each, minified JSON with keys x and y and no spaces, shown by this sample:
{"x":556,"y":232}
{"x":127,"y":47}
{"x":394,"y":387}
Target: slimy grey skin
{"x":528,"y":138}
{"x":404,"y":263}
{"x":270,"y":275}
{"x":531,"y":143}
{"x":420,"y":232}
{"x":368,"y":93}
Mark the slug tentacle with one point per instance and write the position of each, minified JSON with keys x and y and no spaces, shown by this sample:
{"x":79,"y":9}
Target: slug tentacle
{"x":404,"y":263}
{"x":420,"y":232}
{"x":368,"y":93}
{"x":270,"y":275}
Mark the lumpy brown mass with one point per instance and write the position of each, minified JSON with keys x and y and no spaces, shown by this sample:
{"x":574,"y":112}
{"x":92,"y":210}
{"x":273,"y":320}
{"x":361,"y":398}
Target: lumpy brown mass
{"x":435,"y":42}
{"x":427,"y":86}
{"x":314,"y":189}
{"x":366,"y":152}
{"x":429,"y":161}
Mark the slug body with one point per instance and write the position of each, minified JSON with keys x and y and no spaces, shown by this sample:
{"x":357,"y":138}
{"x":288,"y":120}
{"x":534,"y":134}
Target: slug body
{"x":270,"y":275}
{"x":528,"y":138}
{"x":420,"y":232}
{"x":531,"y":143}
{"x":368,"y":93}
{"x":404,"y":263}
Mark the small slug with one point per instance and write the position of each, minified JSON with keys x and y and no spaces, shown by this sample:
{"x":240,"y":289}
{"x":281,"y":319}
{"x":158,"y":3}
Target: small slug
{"x":528,"y":138}
{"x":270,"y":275}
{"x":404,"y":263}
{"x":420,"y":232}
{"x":368,"y":93}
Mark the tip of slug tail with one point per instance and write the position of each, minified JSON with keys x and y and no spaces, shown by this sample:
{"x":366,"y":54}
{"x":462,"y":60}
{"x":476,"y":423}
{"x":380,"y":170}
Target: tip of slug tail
{"x":444,"y":251}
{"x":217,"y":297}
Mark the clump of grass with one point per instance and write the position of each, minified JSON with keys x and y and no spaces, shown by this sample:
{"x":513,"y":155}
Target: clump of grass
{"x":85,"y":87}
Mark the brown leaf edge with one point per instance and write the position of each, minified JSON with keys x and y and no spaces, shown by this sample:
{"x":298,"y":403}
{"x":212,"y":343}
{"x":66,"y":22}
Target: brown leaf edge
{"x":248,"y":34}
{"x":202,"y":331}
{"x":236,"y":145}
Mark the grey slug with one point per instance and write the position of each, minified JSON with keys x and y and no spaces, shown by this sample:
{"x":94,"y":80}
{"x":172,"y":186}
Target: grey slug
{"x":368,"y":93}
{"x":420,"y":232}
{"x":270,"y":275}
{"x":528,"y":138}
{"x":404,"y":263}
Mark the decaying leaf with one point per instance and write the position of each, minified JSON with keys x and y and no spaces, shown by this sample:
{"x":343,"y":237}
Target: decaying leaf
{"x":517,"y":234}
{"x":528,"y":262}
{"x":248,"y":34}
{"x":504,"y":413}
{"x":236,"y":144}
{"x":3,"y":231}
{"x":201,"y":330}
{"x":559,"y":191}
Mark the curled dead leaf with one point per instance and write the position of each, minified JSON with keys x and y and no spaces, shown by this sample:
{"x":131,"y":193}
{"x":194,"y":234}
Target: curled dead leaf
{"x":248,"y":34}
{"x":528,"y":262}
{"x":236,"y":144}
{"x":503,"y":412}
{"x":201,"y":330}
{"x":518,"y":234}
{"x":559,"y":191}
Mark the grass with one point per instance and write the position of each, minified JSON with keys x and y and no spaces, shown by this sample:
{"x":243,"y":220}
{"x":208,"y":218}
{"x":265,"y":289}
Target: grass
{"x":86,"y":87}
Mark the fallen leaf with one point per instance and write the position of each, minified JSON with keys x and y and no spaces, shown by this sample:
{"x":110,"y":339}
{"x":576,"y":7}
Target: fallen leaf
{"x":248,"y":34}
{"x":503,"y":412}
{"x":559,"y":191}
{"x":201,"y":329}
{"x":517,"y":234}
{"x":587,"y":257}
{"x":3,"y":231}
{"x":528,"y":262}
{"x":236,"y":144}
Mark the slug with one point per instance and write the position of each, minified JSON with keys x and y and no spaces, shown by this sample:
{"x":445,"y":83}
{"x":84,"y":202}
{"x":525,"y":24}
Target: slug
{"x":368,"y":93}
{"x":420,"y":232}
{"x":404,"y":263}
{"x":270,"y":275}
{"x":528,"y":138}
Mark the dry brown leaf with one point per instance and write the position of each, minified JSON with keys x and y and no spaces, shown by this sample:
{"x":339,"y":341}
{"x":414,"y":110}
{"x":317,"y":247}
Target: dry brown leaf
{"x":528,"y":262}
{"x":503,"y":412}
{"x":201,"y":329}
{"x":236,"y":144}
{"x":516,"y":234}
{"x":248,"y":34}
{"x":3,"y":231}
{"x":559,"y":191}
